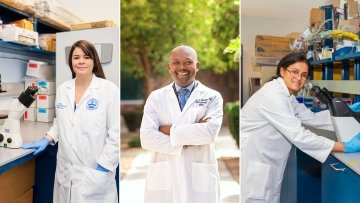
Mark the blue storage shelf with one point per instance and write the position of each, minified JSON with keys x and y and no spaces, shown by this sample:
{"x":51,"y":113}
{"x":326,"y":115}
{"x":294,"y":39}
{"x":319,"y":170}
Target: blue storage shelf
{"x":321,"y":62}
{"x":348,"y":56}
{"x":25,"y":48}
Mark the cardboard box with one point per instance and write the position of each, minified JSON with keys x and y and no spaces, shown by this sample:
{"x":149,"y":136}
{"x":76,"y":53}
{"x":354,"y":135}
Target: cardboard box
{"x":316,"y":16}
{"x":46,"y":87}
{"x":271,"y":46}
{"x":45,"y":101}
{"x":39,"y":69}
{"x":12,"y":33}
{"x":24,"y":24}
{"x":47,"y":42}
{"x":106,"y":23}
{"x":352,"y":9}
{"x":45,"y":114}
{"x":294,"y":35}
{"x":335,"y":3}
{"x":351,"y":25}
{"x":17,"y":181}
{"x":30,"y":114}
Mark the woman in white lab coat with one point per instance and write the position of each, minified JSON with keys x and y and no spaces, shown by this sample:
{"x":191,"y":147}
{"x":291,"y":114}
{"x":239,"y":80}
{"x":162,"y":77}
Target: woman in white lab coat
{"x":87,"y":129}
{"x":271,"y":122}
{"x":183,"y":167}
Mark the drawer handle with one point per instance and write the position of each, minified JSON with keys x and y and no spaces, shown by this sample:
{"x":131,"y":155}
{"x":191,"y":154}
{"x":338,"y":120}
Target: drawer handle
{"x":337,"y":169}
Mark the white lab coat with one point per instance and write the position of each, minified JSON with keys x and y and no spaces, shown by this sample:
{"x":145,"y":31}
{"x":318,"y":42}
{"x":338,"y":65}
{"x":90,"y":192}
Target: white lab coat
{"x":87,"y":137}
{"x":183,"y":167}
{"x":271,"y":121}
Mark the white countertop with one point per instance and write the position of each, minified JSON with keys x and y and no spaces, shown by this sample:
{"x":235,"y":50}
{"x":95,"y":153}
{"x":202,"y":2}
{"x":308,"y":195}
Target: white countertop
{"x":31,"y":131}
{"x":351,"y":160}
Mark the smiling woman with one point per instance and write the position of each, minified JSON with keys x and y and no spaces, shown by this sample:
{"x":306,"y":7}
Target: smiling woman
{"x":291,"y":67}
{"x":271,"y":122}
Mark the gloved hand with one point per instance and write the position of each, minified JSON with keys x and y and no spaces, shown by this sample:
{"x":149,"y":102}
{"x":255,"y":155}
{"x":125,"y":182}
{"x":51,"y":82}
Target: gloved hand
{"x":102,"y":169}
{"x":353,"y":145}
{"x":38,"y":145}
{"x":355,"y":107}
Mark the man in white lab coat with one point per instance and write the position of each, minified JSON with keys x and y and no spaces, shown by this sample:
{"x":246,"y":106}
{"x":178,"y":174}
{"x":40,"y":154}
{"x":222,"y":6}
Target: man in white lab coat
{"x":180,"y":124}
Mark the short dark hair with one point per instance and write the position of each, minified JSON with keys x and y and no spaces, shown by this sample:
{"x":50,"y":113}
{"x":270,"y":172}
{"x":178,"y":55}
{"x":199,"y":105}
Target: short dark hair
{"x":290,"y":59}
{"x":89,"y":50}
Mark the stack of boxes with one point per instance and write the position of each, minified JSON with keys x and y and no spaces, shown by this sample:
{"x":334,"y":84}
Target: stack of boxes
{"x":39,"y":74}
{"x":21,"y":32}
{"x":272,"y":46}
{"x":45,"y":101}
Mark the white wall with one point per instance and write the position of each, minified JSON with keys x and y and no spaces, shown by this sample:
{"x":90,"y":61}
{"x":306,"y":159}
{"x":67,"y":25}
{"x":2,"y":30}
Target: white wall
{"x":266,"y":25}
{"x":95,"y":36}
{"x":94,"y":10}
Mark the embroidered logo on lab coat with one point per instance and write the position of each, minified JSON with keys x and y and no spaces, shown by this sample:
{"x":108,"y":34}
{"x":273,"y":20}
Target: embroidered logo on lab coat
{"x":202,"y":102}
{"x":60,"y":106}
{"x":92,"y":104}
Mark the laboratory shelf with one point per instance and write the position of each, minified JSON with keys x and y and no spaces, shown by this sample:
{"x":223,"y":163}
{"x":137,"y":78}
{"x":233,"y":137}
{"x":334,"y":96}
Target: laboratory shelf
{"x":321,"y":62}
{"x":25,"y":48}
{"x":348,"y":56}
{"x":9,"y":14}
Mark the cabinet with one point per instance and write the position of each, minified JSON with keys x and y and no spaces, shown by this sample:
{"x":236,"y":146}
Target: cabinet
{"x":16,"y":184}
{"x":302,"y":179}
{"x":339,"y":183}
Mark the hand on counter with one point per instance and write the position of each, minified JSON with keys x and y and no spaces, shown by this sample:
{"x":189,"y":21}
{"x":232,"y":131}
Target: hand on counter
{"x":355,"y":107}
{"x":38,"y":145}
{"x":353,"y":145}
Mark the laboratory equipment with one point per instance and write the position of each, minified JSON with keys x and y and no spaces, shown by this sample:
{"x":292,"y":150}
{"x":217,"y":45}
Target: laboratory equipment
{"x":10,"y":135}
{"x":346,"y":122}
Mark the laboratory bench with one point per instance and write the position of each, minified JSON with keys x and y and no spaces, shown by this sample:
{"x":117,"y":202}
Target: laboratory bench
{"x":19,"y":181}
{"x":306,"y":180}
{"x":27,"y":178}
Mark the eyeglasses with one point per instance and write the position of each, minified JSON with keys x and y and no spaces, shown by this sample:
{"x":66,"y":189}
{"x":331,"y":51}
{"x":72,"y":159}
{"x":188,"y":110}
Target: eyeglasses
{"x":296,"y":73}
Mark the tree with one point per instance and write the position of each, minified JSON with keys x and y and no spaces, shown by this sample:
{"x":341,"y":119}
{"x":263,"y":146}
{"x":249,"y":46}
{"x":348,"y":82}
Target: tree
{"x":150,"y":29}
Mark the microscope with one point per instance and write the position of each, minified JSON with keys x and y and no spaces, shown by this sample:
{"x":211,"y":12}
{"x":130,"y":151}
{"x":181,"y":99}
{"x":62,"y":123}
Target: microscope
{"x":10,"y":135}
{"x":346,"y":122}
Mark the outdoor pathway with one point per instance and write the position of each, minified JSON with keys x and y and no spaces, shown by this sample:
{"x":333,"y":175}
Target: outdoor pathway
{"x":134,"y":180}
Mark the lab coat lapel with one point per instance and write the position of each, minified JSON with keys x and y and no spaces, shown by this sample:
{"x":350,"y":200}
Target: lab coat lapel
{"x":194,"y":95}
{"x":286,"y":93}
{"x":173,"y":103}
{"x":93,"y":85}
{"x":71,"y":98}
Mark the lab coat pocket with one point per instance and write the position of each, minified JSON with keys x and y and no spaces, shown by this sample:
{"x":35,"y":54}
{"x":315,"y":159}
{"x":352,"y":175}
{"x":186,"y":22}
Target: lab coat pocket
{"x":204,"y":177}
{"x":93,"y":124}
{"x":158,"y":176}
{"x":258,"y":178}
{"x":95,"y":183}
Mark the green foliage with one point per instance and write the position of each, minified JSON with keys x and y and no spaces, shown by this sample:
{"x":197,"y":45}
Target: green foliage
{"x":135,"y":142}
{"x":225,"y":27}
{"x":150,"y":29}
{"x":133,"y":119}
{"x":234,"y":47}
{"x":232,"y":111}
